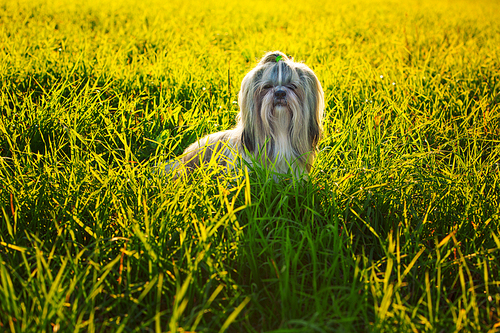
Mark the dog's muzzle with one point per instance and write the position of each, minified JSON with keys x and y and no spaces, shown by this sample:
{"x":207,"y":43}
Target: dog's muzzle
{"x":280,"y":98}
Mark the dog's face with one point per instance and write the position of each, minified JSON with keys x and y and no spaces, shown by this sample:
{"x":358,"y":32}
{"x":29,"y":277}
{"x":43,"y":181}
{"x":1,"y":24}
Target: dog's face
{"x":281,"y":96}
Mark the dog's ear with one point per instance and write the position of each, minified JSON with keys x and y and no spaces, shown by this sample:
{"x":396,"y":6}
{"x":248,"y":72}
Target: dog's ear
{"x":315,"y":102}
{"x":247,"y":139}
{"x":246,"y":101}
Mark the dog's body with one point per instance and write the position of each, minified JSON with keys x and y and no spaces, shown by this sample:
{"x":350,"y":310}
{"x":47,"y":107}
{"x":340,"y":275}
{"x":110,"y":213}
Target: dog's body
{"x":279,"y":124}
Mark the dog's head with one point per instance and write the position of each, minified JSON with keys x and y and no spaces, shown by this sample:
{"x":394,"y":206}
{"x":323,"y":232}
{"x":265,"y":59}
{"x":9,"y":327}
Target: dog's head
{"x":281,"y":96}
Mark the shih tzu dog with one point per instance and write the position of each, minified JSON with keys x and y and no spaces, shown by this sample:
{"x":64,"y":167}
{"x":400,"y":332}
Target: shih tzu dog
{"x":279,"y":124}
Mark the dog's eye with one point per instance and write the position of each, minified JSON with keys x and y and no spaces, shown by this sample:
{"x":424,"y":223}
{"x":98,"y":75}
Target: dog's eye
{"x":267,"y":86}
{"x":292,"y":86}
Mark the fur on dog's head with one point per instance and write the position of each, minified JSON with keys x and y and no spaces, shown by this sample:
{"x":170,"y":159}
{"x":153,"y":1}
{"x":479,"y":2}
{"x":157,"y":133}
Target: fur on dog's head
{"x":281,"y":109}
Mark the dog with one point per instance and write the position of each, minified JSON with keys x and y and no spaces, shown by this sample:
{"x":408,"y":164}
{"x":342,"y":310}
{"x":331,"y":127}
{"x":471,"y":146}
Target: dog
{"x":279,"y":124}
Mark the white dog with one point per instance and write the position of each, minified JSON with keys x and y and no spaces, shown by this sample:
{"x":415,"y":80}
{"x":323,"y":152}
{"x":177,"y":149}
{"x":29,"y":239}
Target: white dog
{"x":279,"y":124}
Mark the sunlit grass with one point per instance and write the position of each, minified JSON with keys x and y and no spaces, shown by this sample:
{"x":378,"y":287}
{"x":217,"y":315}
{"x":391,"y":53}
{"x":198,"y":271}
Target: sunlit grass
{"x":397,"y":230}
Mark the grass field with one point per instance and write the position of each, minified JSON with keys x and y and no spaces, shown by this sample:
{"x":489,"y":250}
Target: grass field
{"x":397,"y":230}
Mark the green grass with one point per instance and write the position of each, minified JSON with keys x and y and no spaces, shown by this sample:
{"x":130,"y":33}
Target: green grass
{"x":397,"y":230}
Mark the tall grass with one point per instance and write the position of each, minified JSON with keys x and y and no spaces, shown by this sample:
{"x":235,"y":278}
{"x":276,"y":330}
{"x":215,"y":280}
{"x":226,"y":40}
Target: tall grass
{"x":397,"y":230}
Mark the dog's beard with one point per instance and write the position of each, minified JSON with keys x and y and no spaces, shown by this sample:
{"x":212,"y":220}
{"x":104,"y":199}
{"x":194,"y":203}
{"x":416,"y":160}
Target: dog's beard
{"x":277,"y":117}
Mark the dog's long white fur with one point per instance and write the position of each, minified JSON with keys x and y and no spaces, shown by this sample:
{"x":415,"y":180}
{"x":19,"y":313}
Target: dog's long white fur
{"x":277,"y":132}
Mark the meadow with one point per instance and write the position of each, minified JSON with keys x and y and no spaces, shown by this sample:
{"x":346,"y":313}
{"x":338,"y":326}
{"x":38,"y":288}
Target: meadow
{"x":397,"y":229}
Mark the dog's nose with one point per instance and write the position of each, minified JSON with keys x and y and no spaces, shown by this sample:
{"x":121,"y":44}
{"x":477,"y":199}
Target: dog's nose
{"x":279,"y":94}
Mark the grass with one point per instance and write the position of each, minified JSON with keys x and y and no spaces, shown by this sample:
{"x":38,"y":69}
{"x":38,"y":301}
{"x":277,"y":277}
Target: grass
{"x":397,"y":230}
